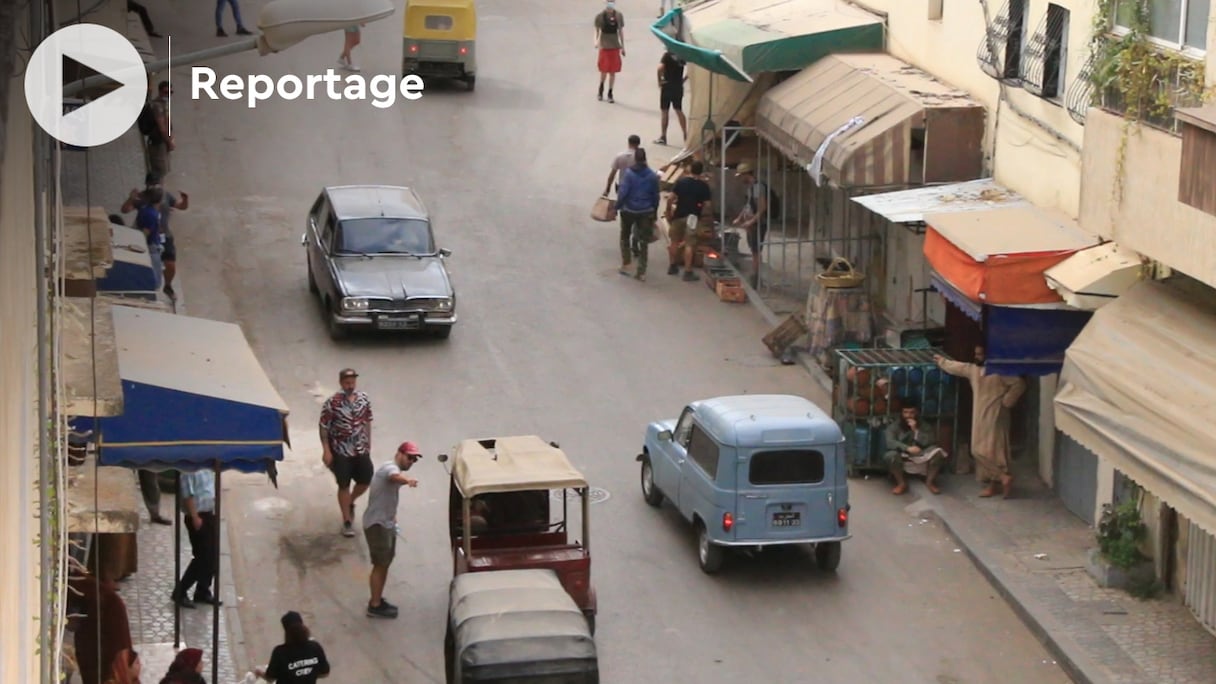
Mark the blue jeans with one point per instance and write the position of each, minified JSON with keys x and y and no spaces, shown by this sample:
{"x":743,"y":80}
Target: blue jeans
{"x":219,"y":13}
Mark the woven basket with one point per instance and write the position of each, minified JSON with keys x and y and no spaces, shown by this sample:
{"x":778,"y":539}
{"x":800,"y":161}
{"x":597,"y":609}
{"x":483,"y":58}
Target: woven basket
{"x":840,"y":273}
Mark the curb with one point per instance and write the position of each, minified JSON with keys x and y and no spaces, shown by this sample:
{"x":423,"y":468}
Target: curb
{"x":1070,"y":656}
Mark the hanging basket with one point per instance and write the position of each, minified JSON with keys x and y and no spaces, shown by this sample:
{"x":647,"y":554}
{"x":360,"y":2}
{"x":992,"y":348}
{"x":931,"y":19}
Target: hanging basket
{"x":840,"y":273}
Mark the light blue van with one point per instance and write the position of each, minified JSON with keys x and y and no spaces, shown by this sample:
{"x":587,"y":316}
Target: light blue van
{"x":752,"y":471}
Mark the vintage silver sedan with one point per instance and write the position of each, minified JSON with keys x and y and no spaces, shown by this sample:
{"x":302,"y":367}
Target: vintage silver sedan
{"x":373,"y":262}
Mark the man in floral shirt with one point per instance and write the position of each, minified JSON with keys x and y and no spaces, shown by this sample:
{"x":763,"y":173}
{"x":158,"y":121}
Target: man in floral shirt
{"x":346,"y":442}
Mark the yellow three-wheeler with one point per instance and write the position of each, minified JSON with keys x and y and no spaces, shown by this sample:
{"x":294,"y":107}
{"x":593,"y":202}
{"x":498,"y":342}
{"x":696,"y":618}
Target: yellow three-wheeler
{"x":439,"y":37}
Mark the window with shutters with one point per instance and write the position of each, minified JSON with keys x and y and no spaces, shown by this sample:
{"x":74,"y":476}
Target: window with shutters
{"x":1045,"y":58}
{"x":1000,"y":51}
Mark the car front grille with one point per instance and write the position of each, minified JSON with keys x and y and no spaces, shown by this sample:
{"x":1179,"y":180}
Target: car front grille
{"x":416,"y":304}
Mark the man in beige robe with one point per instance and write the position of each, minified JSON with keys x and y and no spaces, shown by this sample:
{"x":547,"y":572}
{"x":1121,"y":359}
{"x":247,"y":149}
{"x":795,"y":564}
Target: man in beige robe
{"x":994,"y":396}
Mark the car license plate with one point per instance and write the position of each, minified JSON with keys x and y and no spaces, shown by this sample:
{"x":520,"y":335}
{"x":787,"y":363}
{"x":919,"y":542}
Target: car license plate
{"x":397,"y":323}
{"x":787,"y":519}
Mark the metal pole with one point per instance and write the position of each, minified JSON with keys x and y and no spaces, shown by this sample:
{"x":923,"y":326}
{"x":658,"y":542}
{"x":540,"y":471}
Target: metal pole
{"x":187,"y":59}
{"x":46,"y":468}
{"x":177,"y":557}
{"x":215,"y":580}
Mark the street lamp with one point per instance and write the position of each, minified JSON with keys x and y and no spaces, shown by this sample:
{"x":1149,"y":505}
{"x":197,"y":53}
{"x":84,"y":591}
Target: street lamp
{"x":281,"y":24}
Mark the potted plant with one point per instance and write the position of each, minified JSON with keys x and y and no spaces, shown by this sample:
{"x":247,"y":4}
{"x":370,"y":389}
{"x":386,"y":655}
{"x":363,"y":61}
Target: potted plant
{"x":1118,"y":561}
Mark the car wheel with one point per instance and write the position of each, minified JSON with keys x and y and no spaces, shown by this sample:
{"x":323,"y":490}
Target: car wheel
{"x":336,"y":330}
{"x":649,"y":491}
{"x":471,"y":82}
{"x":442,"y":331}
{"x":709,"y":555}
{"x":312,"y":282}
{"x":827,"y":556}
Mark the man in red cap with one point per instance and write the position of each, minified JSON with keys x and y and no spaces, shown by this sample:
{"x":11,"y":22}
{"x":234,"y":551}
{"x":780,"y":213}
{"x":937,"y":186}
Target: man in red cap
{"x":380,"y":523}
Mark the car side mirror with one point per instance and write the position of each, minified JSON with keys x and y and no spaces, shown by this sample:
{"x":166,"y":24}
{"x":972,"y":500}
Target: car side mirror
{"x":665,"y":436}
{"x":304,"y":239}
{"x":445,"y":253}
{"x":442,"y":458}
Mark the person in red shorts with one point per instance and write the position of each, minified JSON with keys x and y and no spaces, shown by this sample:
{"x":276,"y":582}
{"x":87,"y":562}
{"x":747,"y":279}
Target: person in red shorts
{"x":610,"y":41}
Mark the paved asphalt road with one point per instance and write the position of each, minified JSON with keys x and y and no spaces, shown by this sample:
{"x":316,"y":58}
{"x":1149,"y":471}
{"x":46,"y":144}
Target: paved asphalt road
{"x":550,"y":341}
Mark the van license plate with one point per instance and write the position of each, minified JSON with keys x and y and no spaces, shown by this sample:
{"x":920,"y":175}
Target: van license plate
{"x":787,"y":519}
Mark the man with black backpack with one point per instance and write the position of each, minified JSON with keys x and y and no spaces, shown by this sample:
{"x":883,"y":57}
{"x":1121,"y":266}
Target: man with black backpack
{"x":154,"y":126}
{"x":762,"y":204}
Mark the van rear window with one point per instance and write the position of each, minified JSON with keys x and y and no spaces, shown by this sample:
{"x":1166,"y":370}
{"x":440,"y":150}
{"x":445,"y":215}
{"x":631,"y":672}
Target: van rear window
{"x":438,"y":22}
{"x":801,"y":466}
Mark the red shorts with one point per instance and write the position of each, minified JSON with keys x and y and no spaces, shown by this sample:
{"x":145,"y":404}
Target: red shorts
{"x":610,"y":60}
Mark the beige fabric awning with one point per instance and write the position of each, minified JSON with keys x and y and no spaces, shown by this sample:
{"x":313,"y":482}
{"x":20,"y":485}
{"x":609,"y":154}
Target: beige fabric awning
{"x":1138,"y":390}
{"x":88,"y":362}
{"x":893,"y":98}
{"x":515,"y":464}
{"x":88,"y":249}
{"x":103,"y":499}
{"x":1010,"y":230}
{"x":1094,"y":277}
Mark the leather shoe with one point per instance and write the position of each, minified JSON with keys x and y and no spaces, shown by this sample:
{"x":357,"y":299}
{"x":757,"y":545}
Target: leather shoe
{"x":161,"y":520}
{"x":208,"y":599}
{"x":181,"y":600}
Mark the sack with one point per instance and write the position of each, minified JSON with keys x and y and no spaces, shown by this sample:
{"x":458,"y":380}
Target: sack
{"x":147,"y":122}
{"x":604,"y":210}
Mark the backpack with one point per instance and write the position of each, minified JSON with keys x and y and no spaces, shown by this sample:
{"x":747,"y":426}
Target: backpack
{"x":148,"y":218}
{"x":147,"y":122}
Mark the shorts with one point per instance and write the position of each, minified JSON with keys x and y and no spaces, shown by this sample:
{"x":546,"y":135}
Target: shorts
{"x":681,"y":231}
{"x":348,"y":468}
{"x":381,"y":544}
{"x":610,"y":60}
{"x":168,"y":250}
{"x":755,"y":237}
{"x":671,"y":97}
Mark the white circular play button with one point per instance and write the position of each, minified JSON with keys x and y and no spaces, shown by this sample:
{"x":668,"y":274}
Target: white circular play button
{"x":108,"y":53}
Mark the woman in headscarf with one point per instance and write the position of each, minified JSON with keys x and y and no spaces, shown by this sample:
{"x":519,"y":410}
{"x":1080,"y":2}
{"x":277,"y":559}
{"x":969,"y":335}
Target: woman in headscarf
{"x":103,"y":633}
{"x":187,"y":668}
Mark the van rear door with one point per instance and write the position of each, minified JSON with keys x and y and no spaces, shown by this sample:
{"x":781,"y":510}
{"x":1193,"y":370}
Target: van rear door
{"x":783,"y":494}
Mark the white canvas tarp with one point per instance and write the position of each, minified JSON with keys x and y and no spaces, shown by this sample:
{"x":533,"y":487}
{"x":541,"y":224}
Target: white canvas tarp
{"x":1138,"y":389}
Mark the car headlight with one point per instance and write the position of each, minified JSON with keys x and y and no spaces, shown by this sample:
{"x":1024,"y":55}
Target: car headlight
{"x":354,"y":304}
{"x":445,"y":304}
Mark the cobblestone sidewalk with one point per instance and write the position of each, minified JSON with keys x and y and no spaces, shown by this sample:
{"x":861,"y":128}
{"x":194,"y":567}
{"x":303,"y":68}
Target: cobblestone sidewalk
{"x":150,"y":610}
{"x":1033,"y":551}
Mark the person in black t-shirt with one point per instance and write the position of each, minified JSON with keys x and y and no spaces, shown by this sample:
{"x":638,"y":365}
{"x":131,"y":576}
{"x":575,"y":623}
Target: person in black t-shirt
{"x":689,"y":200}
{"x":671,"y":93}
{"x":299,"y":659}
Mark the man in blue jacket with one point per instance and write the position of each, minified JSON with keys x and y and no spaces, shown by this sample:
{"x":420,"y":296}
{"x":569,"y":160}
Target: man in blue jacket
{"x":637,"y":200}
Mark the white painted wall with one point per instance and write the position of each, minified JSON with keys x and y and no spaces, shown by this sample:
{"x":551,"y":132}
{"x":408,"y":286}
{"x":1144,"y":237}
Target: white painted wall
{"x":19,"y":591}
{"x":1027,"y":159}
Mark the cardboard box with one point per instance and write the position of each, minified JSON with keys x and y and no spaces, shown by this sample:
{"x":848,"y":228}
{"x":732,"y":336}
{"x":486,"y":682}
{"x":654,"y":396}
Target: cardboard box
{"x":731,"y":291}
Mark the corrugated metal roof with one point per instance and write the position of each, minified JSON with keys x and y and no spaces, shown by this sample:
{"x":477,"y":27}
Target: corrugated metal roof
{"x":910,"y":206}
{"x":780,"y":18}
{"x":1010,"y":230}
{"x":800,"y":113}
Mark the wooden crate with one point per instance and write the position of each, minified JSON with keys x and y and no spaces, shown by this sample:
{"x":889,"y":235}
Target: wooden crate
{"x":785,"y":334}
{"x":731,"y":290}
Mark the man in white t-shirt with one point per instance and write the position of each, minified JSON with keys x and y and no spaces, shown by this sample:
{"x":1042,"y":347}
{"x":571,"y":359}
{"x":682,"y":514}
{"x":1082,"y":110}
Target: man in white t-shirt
{"x":380,"y":523}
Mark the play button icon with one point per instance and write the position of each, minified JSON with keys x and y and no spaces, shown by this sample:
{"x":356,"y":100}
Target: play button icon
{"x":102,"y":50}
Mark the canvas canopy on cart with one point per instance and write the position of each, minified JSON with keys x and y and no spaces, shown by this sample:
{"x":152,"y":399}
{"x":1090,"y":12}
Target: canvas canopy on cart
{"x":512,"y":464}
{"x":1137,"y":390}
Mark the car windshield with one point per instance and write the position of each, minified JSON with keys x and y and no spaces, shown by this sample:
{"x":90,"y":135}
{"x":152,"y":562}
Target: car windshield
{"x":384,"y":236}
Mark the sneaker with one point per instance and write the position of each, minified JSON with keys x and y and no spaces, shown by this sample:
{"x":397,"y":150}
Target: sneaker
{"x":169,"y":292}
{"x":673,"y":270}
{"x":610,"y":98}
{"x":242,"y":31}
{"x":690,"y":276}
{"x":641,"y":277}
{"x":208,"y":599}
{"x":347,"y":530}
{"x":353,"y":67}
{"x":220,"y":32}
{"x":660,"y":141}
{"x":342,"y":63}
{"x":384,"y":610}
{"x":181,"y":599}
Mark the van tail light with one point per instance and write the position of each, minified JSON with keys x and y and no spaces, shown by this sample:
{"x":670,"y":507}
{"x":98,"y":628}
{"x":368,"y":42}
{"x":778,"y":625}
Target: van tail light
{"x":728,"y":521}
{"x":414,"y":48}
{"x":842,"y":517}
{"x":464,"y":50}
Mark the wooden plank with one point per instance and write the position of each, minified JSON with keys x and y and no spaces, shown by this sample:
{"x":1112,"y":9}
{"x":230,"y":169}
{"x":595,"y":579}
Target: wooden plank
{"x":1197,"y":174}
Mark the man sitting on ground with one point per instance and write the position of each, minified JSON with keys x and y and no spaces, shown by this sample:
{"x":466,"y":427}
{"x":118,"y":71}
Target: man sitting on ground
{"x":912,"y":449}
